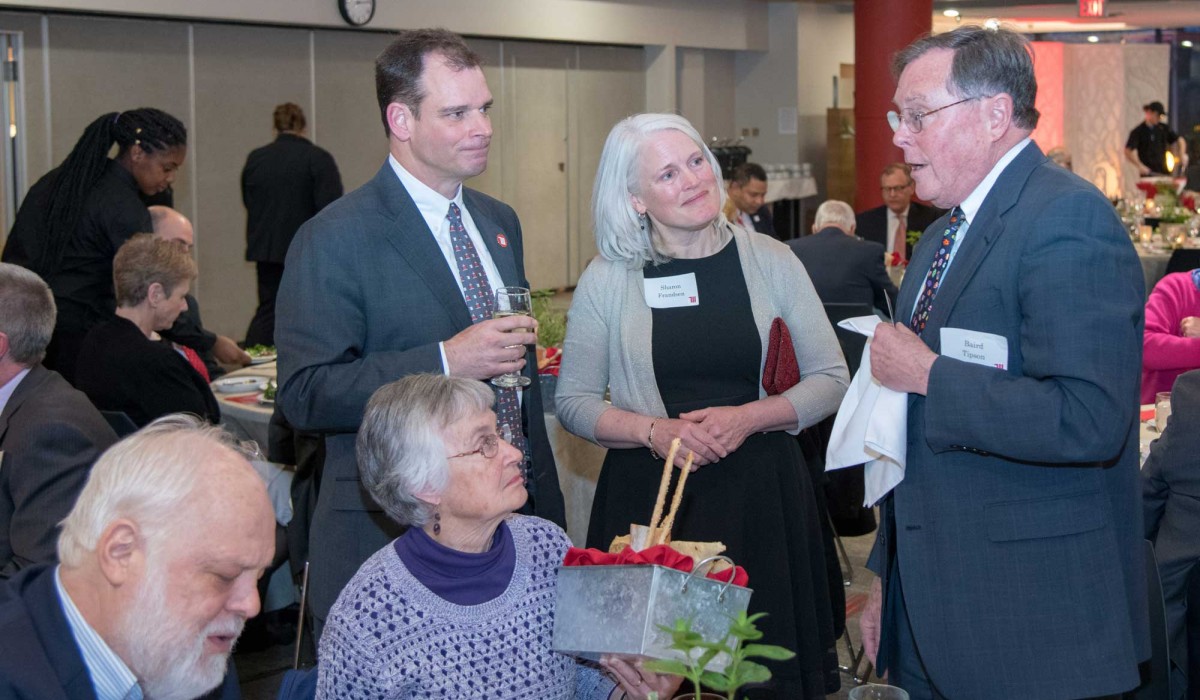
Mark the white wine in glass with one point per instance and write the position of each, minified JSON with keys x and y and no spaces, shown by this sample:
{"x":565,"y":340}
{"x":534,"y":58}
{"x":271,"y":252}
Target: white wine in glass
{"x":512,"y":301}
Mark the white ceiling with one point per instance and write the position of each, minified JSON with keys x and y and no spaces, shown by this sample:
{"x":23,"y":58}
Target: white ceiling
{"x":1064,"y":16}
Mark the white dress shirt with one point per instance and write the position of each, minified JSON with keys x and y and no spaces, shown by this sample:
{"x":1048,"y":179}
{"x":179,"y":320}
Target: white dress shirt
{"x":892,"y":220}
{"x":434,"y":208}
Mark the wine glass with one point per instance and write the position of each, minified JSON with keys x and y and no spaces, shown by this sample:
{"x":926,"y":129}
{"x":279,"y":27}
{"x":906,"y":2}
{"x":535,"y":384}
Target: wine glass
{"x":512,"y":301}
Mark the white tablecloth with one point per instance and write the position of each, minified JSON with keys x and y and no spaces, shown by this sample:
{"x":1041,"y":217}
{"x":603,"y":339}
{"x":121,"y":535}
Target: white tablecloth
{"x":791,"y":188}
{"x":245,"y":418}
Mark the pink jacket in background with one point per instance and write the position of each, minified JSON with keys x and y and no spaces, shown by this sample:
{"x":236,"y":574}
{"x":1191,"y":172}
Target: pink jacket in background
{"x":1166,"y":354}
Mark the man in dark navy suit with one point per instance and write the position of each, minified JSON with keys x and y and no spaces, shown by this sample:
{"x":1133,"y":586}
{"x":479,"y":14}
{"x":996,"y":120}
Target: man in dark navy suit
{"x":746,"y":205}
{"x":843,"y":269}
{"x":889,"y":223}
{"x":160,"y":559}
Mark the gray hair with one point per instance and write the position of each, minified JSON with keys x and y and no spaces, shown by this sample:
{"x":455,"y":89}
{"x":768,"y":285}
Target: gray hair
{"x":401,"y":451}
{"x":833,"y":212}
{"x":27,"y":314}
{"x":986,"y":62}
{"x":148,"y":477}
{"x":617,"y":226}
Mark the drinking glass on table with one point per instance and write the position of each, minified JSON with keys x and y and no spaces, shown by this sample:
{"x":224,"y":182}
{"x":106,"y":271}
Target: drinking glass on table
{"x":872,"y":691}
{"x":512,"y":301}
{"x":1162,"y":410}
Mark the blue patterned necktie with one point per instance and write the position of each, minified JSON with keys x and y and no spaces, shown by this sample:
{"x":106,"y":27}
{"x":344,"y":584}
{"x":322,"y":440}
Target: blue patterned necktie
{"x":481,"y":303}
{"x":933,"y":279}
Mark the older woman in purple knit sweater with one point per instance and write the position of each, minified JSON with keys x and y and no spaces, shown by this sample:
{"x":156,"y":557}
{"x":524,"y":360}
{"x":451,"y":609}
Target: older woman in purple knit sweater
{"x":1172,"y":339}
{"x":462,"y":604}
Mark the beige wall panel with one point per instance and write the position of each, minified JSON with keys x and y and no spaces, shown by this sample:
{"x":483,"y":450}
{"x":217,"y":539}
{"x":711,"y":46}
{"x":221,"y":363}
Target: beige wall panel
{"x":608,"y":85}
{"x":35,"y":141}
{"x":491,"y":181}
{"x":534,"y":164}
{"x":347,"y":116}
{"x":719,"y":96}
{"x":241,"y":74}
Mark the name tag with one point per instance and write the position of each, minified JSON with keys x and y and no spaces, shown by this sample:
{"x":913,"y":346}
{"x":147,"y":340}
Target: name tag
{"x":672,"y":292}
{"x":975,"y":347}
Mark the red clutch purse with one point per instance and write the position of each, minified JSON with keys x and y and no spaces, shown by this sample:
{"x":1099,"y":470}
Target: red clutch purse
{"x":781,"y":372}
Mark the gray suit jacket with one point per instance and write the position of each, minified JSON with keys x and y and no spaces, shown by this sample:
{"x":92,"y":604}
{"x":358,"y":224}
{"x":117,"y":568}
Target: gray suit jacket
{"x":1017,"y":528}
{"x":1171,"y":500}
{"x":366,"y":298}
{"x":50,"y":435}
{"x":844,"y":269}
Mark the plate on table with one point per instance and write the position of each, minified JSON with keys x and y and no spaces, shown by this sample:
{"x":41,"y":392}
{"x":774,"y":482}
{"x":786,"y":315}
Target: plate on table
{"x":239,"y":385}
{"x":261,"y":354}
{"x":262,"y":359}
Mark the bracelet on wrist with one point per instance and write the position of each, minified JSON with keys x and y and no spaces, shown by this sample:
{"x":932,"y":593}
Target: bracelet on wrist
{"x":650,"y":439}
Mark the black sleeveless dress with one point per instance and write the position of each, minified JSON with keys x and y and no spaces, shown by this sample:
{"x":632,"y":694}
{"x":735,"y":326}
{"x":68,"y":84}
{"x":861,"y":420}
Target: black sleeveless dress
{"x":759,"y":500}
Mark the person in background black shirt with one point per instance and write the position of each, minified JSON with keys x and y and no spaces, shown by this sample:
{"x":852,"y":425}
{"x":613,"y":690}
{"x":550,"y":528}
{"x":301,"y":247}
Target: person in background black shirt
{"x":284,"y":184}
{"x":74,"y":218}
{"x":1149,"y":142}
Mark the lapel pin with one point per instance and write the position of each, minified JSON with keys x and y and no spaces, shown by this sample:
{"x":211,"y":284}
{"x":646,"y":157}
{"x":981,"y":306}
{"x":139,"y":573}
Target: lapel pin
{"x":502,"y":240}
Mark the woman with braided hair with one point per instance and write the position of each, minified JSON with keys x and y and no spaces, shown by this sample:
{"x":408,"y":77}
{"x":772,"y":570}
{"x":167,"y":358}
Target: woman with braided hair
{"x":75,"y":218}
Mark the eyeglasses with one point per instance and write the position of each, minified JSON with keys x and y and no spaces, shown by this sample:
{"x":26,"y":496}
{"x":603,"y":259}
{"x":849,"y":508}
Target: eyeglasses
{"x":896,"y":189}
{"x":491,"y":446}
{"x":913,"y":119}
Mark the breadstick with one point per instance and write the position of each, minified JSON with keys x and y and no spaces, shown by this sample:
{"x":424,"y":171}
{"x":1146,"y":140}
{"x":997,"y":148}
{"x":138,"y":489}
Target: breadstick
{"x":669,"y":521}
{"x":663,"y":485}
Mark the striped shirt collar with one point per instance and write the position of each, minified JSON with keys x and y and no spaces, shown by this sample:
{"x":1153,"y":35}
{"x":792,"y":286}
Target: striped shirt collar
{"x":111,"y":678}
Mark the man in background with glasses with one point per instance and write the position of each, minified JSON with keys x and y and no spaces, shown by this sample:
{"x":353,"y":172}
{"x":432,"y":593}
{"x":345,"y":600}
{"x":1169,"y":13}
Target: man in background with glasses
{"x":889,"y":223}
{"x":1010,"y":552}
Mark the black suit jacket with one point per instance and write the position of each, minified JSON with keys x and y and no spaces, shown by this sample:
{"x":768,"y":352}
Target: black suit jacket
{"x":366,"y":298}
{"x":50,"y":435}
{"x":845,"y":269}
{"x":284,"y":184}
{"x":38,"y":656}
{"x":120,"y":369}
{"x":873,"y":223}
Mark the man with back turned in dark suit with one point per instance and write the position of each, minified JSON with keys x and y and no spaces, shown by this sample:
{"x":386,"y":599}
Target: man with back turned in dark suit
{"x":746,"y":205}
{"x":284,"y":184}
{"x":1011,"y":548}
{"x":50,"y":434}
{"x":398,"y":278}
{"x":889,"y":223}
{"x":844,"y":269}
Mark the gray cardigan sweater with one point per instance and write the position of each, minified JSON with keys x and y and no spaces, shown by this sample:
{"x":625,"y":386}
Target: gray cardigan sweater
{"x":609,"y":332}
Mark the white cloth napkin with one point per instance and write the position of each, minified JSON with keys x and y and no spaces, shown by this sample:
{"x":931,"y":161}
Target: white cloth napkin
{"x":871,"y":425}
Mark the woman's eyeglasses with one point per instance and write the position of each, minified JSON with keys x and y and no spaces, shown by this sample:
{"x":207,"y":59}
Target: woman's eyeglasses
{"x":491,"y":446}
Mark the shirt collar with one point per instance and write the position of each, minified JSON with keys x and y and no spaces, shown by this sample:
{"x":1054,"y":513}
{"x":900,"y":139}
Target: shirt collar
{"x":974,"y":201}
{"x":428,"y":200}
{"x":111,"y":678}
{"x":10,"y":388}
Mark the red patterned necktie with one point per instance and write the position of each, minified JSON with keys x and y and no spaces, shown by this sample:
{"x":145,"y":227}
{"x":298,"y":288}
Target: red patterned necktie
{"x":194,"y":360}
{"x":481,"y":303}
{"x":900,"y":241}
{"x":933,"y":279}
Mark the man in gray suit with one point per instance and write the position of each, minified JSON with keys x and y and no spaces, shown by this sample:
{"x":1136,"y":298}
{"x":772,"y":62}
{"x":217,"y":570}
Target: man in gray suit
{"x":1011,"y":553}
{"x":396,"y":278}
{"x":50,"y":434}
{"x":1171,"y":499}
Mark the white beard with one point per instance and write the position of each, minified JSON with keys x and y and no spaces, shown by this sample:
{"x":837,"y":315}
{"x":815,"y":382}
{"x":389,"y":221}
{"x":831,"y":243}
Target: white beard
{"x":167,"y":658}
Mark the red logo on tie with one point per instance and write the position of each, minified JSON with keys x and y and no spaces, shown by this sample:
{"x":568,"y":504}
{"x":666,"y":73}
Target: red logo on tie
{"x":502,"y":240}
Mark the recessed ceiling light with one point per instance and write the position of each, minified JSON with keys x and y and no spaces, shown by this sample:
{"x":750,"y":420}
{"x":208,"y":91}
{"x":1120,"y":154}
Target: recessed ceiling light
{"x":950,"y":13}
{"x":1093,"y":39}
{"x":1186,"y":43}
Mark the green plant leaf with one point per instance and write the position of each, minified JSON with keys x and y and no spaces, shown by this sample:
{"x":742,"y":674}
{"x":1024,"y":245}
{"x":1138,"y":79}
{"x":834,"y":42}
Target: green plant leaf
{"x":750,"y":672}
{"x":716,"y":681}
{"x":671,"y":666}
{"x":767,"y":651}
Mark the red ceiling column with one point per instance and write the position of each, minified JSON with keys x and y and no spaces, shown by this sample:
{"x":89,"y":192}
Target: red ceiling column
{"x":881,"y":28}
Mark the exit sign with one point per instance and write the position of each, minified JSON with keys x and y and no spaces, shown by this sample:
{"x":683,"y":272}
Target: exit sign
{"x":1091,"y":8}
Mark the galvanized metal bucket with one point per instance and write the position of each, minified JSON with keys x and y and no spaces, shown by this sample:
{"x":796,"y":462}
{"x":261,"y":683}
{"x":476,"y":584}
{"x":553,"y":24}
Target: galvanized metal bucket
{"x":619,"y":609}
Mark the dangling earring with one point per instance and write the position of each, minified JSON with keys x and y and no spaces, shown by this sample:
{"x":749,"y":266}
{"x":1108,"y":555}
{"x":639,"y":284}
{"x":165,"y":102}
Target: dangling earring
{"x":642,"y":219}
{"x":437,"y":522}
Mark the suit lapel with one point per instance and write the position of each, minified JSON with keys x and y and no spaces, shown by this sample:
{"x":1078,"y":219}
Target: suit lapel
{"x":28,"y":386}
{"x":498,"y":242}
{"x":411,"y":237}
{"x":981,"y":235}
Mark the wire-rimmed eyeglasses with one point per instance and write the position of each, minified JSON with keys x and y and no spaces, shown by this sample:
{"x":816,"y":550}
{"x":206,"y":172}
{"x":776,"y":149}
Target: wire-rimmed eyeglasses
{"x":491,"y":447}
{"x":913,"y":119}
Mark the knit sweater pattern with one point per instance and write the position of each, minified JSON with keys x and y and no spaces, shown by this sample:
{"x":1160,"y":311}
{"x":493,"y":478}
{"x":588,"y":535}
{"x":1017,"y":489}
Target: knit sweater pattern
{"x":388,"y":636}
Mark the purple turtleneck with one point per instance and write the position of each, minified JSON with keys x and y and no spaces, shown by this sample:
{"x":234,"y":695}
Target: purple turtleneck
{"x":459,"y":577}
